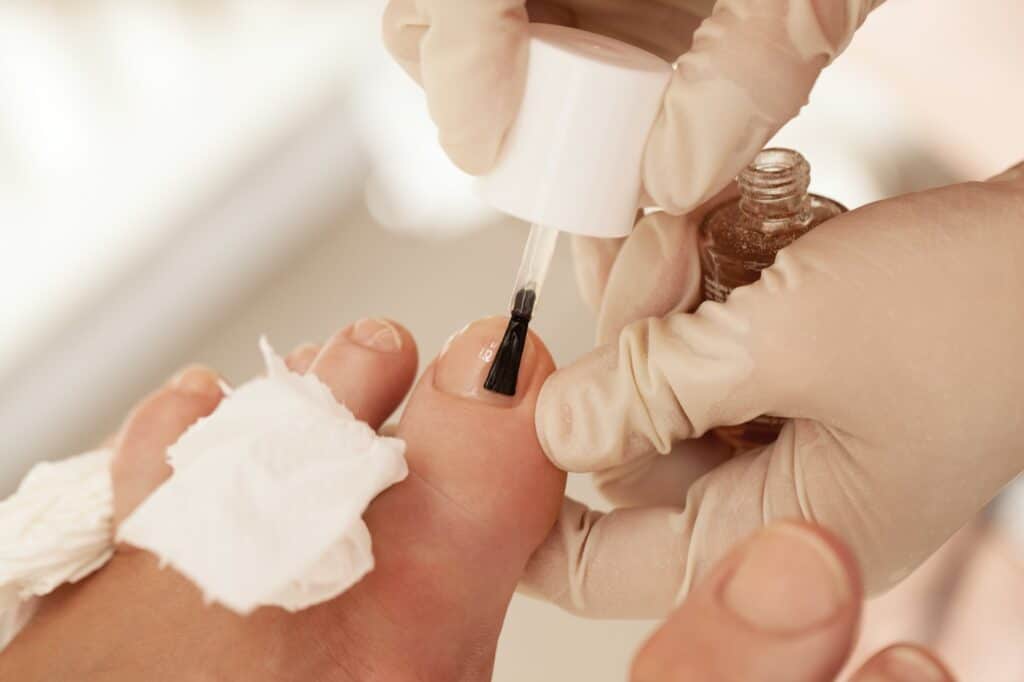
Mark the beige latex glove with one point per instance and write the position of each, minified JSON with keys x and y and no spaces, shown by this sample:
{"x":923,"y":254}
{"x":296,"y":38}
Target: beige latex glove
{"x":721,"y":108}
{"x":892,"y":335}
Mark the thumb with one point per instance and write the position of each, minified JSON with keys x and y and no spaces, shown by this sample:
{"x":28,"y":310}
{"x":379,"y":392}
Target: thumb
{"x":750,"y":70}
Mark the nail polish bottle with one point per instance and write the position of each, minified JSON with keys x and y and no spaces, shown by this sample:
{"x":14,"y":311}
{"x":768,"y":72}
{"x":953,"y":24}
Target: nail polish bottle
{"x":740,"y":238}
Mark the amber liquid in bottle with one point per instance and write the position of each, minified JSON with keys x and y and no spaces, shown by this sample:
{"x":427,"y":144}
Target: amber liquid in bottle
{"x":740,"y":238}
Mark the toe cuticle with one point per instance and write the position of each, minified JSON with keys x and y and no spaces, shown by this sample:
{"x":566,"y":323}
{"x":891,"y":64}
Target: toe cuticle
{"x":376,"y":334}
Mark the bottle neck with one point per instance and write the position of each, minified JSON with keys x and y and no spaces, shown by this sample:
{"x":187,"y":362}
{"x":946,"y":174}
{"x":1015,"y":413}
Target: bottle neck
{"x":774,"y":185}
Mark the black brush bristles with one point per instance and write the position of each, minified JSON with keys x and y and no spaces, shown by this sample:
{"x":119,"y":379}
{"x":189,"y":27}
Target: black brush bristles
{"x":504,"y":373}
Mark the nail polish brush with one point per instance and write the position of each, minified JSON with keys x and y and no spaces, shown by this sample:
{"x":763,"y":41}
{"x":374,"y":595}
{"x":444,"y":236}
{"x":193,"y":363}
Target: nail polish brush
{"x":571,"y":162}
{"x":533,"y":269}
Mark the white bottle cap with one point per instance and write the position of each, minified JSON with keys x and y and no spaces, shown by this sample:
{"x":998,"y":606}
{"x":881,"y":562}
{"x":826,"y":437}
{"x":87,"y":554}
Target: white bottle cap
{"x":572,"y":159}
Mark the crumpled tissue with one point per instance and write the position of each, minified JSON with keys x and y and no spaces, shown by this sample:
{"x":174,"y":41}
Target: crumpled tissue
{"x":56,"y":528}
{"x":263,"y":508}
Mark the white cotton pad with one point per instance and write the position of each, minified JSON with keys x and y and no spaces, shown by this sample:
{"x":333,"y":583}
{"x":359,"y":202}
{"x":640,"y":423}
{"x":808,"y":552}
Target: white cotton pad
{"x":265,"y":504}
{"x":55,"y":529}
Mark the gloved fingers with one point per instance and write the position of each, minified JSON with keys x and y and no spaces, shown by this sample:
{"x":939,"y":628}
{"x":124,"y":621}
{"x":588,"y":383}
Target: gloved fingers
{"x":662,"y":479}
{"x":782,"y":606}
{"x":470,"y":58}
{"x":903,"y":663}
{"x":592,"y":260}
{"x":637,"y":562}
{"x":403,"y":27}
{"x":369,"y":367}
{"x":893,"y":512}
{"x":657,"y":271}
{"x":301,"y":358}
{"x":749,"y":71}
{"x":139,"y":464}
{"x":626,"y":563}
{"x":665,"y":380}
{"x":776,"y":347}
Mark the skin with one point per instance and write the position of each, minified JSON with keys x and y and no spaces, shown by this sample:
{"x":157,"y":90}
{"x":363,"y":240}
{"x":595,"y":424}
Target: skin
{"x":450,"y":547}
{"x":784,"y":605}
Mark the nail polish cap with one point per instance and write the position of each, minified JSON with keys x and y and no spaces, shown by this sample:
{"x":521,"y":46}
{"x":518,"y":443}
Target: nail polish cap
{"x":572,"y":159}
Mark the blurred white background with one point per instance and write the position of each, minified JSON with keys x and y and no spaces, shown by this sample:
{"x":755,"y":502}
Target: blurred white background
{"x":177,"y":178}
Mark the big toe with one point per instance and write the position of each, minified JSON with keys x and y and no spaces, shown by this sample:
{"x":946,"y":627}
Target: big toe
{"x":479,"y":449}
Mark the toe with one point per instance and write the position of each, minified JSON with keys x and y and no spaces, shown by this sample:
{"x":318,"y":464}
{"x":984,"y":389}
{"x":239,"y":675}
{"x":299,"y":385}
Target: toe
{"x":369,"y":368}
{"x":479,"y":448}
{"x":479,"y":499}
{"x":139,"y":464}
{"x":301,"y":358}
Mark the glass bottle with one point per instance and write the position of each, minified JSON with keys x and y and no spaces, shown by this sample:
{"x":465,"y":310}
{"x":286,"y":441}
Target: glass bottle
{"x":740,"y":238}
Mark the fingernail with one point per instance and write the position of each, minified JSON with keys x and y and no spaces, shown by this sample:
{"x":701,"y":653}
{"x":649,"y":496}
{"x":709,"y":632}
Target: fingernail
{"x":466,"y":359}
{"x":904,"y":663}
{"x":197,"y":381}
{"x":789,"y":581}
{"x":376,"y":334}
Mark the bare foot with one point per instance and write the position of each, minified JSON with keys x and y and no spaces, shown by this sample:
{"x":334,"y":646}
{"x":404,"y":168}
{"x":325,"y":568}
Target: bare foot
{"x":450,"y":541}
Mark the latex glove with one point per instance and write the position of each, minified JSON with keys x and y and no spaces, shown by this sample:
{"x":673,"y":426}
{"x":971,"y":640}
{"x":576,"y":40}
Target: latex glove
{"x":740,"y":74}
{"x":891,"y":335}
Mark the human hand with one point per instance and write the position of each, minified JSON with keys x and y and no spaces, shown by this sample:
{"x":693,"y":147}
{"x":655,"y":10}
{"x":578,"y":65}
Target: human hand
{"x":963,"y":603}
{"x":741,"y":73}
{"x":889,"y":336}
{"x":450,"y":542}
{"x":783,"y":605}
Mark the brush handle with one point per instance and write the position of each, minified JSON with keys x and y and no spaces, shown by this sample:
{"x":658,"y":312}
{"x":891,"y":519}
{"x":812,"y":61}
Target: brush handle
{"x":533,"y":268}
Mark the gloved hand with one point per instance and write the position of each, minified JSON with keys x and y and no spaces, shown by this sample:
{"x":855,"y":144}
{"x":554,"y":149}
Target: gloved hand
{"x":891,"y":336}
{"x":720,"y":109}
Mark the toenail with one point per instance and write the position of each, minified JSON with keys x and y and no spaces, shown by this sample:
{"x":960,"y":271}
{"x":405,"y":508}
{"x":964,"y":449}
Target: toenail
{"x":376,"y":334}
{"x":198,"y":381}
{"x":464,"y":363}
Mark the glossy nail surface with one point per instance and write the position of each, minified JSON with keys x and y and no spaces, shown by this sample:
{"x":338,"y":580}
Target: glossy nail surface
{"x":467,"y":357}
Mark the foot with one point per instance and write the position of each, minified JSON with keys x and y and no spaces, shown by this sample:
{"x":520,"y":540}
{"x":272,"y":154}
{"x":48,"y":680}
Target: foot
{"x":450,"y":541}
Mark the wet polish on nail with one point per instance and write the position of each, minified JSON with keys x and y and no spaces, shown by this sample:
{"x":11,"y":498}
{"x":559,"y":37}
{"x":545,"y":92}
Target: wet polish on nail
{"x":463,"y":366}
